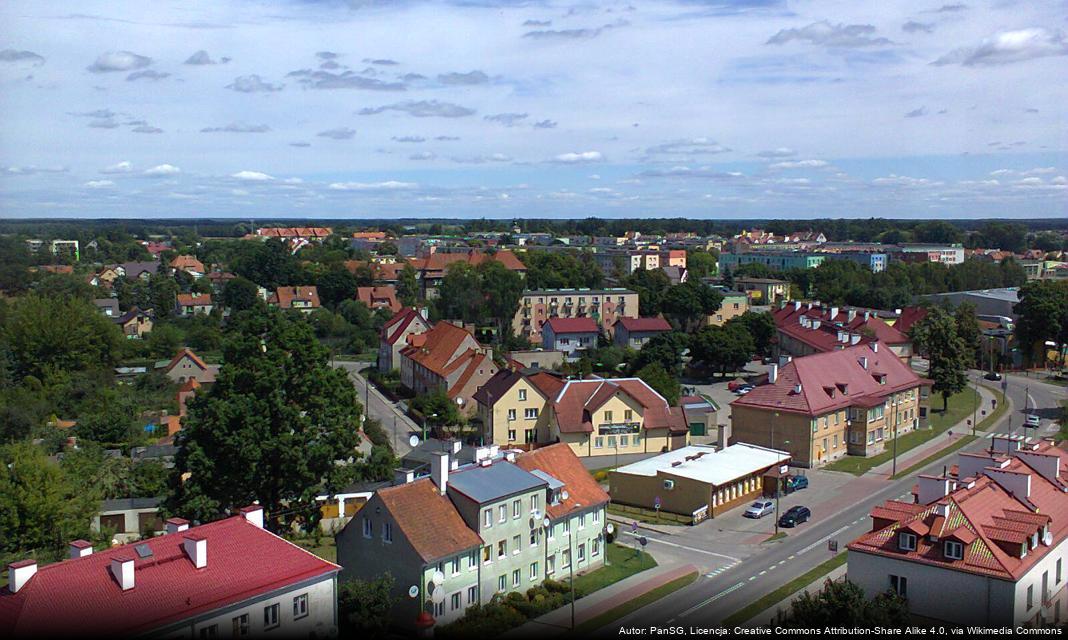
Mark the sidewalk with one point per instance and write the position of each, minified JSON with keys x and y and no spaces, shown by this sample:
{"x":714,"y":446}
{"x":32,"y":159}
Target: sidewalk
{"x":623,"y":523}
{"x":761,"y":619}
{"x":558,"y":622}
{"x":922,"y":452}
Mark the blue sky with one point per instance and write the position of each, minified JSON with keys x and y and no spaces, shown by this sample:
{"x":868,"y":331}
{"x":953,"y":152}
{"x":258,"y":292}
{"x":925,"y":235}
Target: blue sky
{"x":696,"y":108}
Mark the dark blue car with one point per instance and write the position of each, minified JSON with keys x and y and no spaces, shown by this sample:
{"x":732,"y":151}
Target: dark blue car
{"x":796,"y":483}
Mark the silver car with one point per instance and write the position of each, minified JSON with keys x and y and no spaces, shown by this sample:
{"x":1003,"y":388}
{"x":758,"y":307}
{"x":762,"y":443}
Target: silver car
{"x":1031,"y":420}
{"x":760,"y":508}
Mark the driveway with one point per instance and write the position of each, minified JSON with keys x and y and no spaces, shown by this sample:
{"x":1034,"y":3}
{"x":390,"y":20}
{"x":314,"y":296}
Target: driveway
{"x":396,"y":424}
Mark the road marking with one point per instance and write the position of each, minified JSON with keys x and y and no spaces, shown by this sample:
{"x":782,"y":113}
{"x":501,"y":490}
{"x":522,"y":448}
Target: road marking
{"x":680,"y":546}
{"x":751,"y":578}
{"x":762,"y":573}
{"x":791,"y":557}
{"x":772,"y":568}
{"x":822,"y":540}
{"x":709,"y":601}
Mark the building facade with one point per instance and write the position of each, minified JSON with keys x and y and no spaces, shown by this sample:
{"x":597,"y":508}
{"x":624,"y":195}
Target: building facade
{"x":604,"y":306}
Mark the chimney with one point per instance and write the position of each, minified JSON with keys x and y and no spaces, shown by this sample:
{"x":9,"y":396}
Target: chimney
{"x":80,"y":549}
{"x":797,"y":389}
{"x":843,"y":336}
{"x":439,"y":470}
{"x":196,"y":547}
{"x":773,"y":373}
{"x":175,"y":525}
{"x":1003,"y":443}
{"x":875,"y":347}
{"x":19,"y":573}
{"x":254,"y":514}
{"x":897,"y":312}
{"x":1047,"y":465}
{"x":863,"y":361}
{"x":867,"y":315}
{"x":816,"y":323}
{"x":797,"y":305}
{"x":122,"y":569}
{"x":494,"y":450}
{"x":403,"y":476}
{"x":456,"y":446}
{"x":834,"y":313}
{"x":971,"y":465}
{"x":1018,"y":484}
{"x":510,"y":456}
{"x":932,"y":488}
{"x":854,"y":338}
{"x":851,"y":315}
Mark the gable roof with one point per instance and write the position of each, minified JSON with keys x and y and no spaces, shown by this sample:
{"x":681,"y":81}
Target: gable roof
{"x":545,"y":383}
{"x":429,"y":520}
{"x":183,"y":353}
{"x":820,"y":376}
{"x":194,"y":299}
{"x":379,"y":296}
{"x":287,"y":295}
{"x":80,"y":595}
{"x":438,"y":262}
{"x":439,"y":347}
{"x":187,"y":263}
{"x":909,"y":316}
{"x":572,"y":325}
{"x":560,"y":462}
{"x":395,"y":326}
{"x":636,"y":325}
{"x":577,"y":399}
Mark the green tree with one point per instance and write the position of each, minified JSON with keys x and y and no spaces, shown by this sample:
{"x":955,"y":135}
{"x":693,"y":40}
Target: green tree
{"x":651,"y":286}
{"x":408,"y":286}
{"x":335,"y":285}
{"x":661,"y":381}
{"x":761,"y":327}
{"x":843,"y":603}
{"x":240,"y":294}
{"x":46,"y":335}
{"x":968,"y":330}
{"x":437,"y":409}
{"x":936,"y":337}
{"x":689,"y":304}
{"x":1043,"y":316}
{"x":701,"y":264}
{"x":664,"y":349}
{"x":726,"y":348}
{"x":41,"y":508}
{"x":271,"y":428}
{"x":364,"y":607}
{"x":501,"y":289}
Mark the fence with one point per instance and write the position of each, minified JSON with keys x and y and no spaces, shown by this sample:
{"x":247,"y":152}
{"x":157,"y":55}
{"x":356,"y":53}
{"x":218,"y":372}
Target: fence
{"x":649,"y":515}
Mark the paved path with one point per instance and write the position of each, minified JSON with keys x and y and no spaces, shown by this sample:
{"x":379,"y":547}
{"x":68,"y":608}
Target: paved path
{"x":558,"y":621}
{"x":395,"y":423}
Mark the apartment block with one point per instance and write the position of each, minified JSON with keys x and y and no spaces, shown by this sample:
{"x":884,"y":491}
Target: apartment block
{"x":605,"y":306}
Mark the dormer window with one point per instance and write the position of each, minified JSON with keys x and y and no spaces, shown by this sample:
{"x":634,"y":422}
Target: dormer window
{"x":906,"y":541}
{"x":1034,"y":540}
{"x":953,"y":550}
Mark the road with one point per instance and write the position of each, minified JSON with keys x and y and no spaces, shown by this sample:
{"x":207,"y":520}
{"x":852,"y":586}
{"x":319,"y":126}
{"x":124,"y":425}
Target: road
{"x":398,"y":425}
{"x":736,"y":583}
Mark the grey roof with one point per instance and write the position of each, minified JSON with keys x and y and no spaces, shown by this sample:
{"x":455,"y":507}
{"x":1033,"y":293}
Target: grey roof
{"x":553,"y":482}
{"x":125,"y":504}
{"x":153,"y":451}
{"x":499,"y":480}
{"x":422,"y":454}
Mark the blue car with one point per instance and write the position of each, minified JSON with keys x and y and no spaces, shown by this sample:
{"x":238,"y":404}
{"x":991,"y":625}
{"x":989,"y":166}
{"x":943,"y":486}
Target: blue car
{"x":796,"y":483}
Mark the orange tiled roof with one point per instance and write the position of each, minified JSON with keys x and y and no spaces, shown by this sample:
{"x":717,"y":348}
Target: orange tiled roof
{"x":287,"y":295}
{"x":429,"y":521}
{"x":188,"y":263}
{"x":578,"y":399}
{"x":559,"y":461}
{"x":182,"y":354}
{"x":194,"y":299}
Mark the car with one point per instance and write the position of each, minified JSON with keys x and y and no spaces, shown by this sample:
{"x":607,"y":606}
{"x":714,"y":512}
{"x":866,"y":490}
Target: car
{"x":736,"y":384}
{"x":759,"y":509}
{"x":1031,"y":420}
{"x":796,"y":483}
{"x":993,"y":375}
{"x":743,"y":390}
{"x":794,"y":516}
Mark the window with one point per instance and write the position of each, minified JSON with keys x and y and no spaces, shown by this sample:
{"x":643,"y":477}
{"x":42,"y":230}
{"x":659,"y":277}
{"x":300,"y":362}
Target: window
{"x":516,"y":577}
{"x":534,"y":571}
{"x":953,"y":549}
{"x":595,"y":546}
{"x":1058,"y":571}
{"x":511,"y":414}
{"x":567,"y":527}
{"x":582,"y":553}
{"x":456,"y":565}
{"x":455,"y":601}
{"x":550,"y":565}
{"x":582,"y":521}
{"x":387,"y":531}
{"x":534,"y":502}
{"x":906,"y":541}
{"x":502,"y":583}
{"x":502,"y":548}
{"x":607,"y":416}
{"x":368,"y":528}
{"x":511,"y":434}
{"x":517,"y":544}
{"x":636,"y":440}
{"x":836,"y":441}
{"x":530,"y":436}
{"x":900,"y":585}
{"x":209,"y":632}
{"x":487,"y":519}
{"x":241,"y":627}
{"x":522,"y":395}
{"x":502,"y":513}
{"x":871,"y":437}
{"x":598,"y":442}
{"x":815,"y":426}
{"x":611,"y":442}
{"x":530,"y":414}
{"x":566,"y":562}
{"x":622,"y":441}
{"x":597,"y":517}
{"x":300,"y":606}
{"x":1030,"y":596}
{"x":517,"y":505}
{"x":472,"y":560}
{"x":487,"y":554}
{"x":628,"y":415}
{"x":270,"y":616}
{"x":472,"y":594}
{"x":439,"y":609}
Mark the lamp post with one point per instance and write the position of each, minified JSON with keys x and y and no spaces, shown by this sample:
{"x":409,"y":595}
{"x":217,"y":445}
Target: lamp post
{"x":425,"y":420}
{"x":570,"y":553}
{"x":778,"y":484}
{"x":975,"y":384}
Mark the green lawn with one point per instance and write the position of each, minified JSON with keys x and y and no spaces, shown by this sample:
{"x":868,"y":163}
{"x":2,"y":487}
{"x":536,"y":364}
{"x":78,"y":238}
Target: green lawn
{"x":622,"y":563}
{"x":961,"y":406}
{"x":747,"y":612}
{"x":325,"y":549}
{"x":621,"y":610}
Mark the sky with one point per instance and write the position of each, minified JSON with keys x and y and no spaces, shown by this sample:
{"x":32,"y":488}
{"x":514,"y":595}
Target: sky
{"x":508,"y":109}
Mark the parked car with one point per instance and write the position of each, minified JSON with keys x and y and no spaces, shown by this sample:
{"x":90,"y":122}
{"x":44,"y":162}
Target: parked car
{"x":744,"y":389}
{"x":794,"y":517}
{"x":1031,"y":420}
{"x":993,"y":375}
{"x":759,"y":509}
{"x":796,"y":483}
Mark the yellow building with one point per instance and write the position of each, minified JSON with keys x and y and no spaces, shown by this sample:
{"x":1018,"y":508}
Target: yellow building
{"x":734,"y":305}
{"x":514,"y":408}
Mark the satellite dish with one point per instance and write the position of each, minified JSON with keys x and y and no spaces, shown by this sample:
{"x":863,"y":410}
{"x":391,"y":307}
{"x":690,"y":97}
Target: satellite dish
{"x":438,"y":578}
{"x":413,"y":442}
{"x":413,"y":591}
{"x":611,"y":528}
{"x":459,"y":401}
{"x":438,"y":596}
{"x":1048,"y":539}
{"x":545,"y":522}
{"x":564,"y":494}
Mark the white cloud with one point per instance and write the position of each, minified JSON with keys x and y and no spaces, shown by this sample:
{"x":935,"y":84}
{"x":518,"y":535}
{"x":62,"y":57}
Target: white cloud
{"x":579,"y":157}
{"x":1007,"y":47}
{"x":99,"y":184}
{"x":120,"y":167}
{"x":388,"y":185}
{"x":831,"y":35}
{"x":162,"y":170}
{"x":252,"y":84}
{"x":799,"y":164}
{"x":119,"y":61}
{"x":252,"y":176}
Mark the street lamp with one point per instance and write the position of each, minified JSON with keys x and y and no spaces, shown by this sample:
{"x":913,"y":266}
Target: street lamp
{"x":425,"y":420}
{"x":778,"y":484}
{"x":570,"y":553}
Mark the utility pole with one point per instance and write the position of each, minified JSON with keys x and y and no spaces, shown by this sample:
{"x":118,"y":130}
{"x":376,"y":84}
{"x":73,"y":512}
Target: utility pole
{"x":893,"y":471}
{"x":975,"y":383}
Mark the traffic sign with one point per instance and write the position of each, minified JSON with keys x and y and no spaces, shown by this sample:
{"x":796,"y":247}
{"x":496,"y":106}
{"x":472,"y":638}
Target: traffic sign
{"x":643,"y":541}
{"x":656,"y":502}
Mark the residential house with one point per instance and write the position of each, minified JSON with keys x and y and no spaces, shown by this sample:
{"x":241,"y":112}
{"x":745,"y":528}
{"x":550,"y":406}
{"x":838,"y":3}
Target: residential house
{"x":187,"y":365}
{"x":570,"y":335}
{"x":821,"y":407}
{"x":469,"y":532}
{"x":128,"y":519}
{"x":135,"y":323}
{"x":137,"y":270}
{"x":605,"y":306}
{"x":108,"y":306}
{"x":514,"y":407}
{"x":431,"y":270}
{"x":448,"y":359}
{"x":384,"y":297}
{"x":677,"y":275}
{"x":395,"y":336}
{"x":807,"y":328}
{"x":228,"y":577}
{"x":190,"y":265}
{"x":105,"y":277}
{"x":734,"y":305}
{"x":635,"y":332}
{"x":304,"y":299}
{"x":763,"y":291}
{"x":535,"y":359}
{"x":194,"y":304}
{"x":992,"y":531}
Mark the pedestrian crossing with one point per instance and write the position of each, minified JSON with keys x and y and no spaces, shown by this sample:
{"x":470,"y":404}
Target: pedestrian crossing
{"x":717,"y":571}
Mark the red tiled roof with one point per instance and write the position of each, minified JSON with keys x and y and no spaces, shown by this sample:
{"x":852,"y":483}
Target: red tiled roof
{"x":472,"y":360}
{"x":559,"y":461}
{"x":375,"y":297}
{"x":825,"y":338}
{"x":81,"y":596}
{"x":182,"y":354}
{"x":576,"y":400}
{"x":194,"y":299}
{"x":396,"y":325}
{"x":909,"y":316}
{"x":190,"y":263}
{"x":820,"y":375}
{"x":439,"y":261}
{"x":287,"y":295}
{"x":572,"y":325}
{"x":633,"y":325}
{"x":439,"y":347}
{"x":429,"y":520}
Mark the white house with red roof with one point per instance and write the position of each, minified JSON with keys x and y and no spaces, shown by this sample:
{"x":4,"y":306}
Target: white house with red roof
{"x":984,"y":544}
{"x":635,"y":332}
{"x":396,"y":333}
{"x":228,"y":577}
{"x":570,"y":335}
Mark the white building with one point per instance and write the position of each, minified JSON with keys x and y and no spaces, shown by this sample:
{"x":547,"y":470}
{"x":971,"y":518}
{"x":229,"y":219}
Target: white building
{"x":985,"y":545}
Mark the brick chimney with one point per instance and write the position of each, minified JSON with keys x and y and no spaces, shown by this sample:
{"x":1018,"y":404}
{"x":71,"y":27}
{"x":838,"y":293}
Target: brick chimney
{"x":80,"y":549}
{"x":196,"y":547}
{"x":932,"y":488}
{"x":19,"y":573}
{"x":254,"y":514}
{"x":122,"y":569}
{"x":176,"y":525}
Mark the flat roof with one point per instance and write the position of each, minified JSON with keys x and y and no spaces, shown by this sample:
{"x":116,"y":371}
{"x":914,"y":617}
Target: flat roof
{"x":500,"y":479}
{"x":714,"y":467}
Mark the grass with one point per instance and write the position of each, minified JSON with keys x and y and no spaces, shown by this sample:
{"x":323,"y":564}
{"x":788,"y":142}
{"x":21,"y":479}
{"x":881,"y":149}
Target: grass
{"x":747,"y":612}
{"x":778,"y":536}
{"x":961,"y":406}
{"x":634,"y":604}
{"x":622,"y":564}
{"x":325,"y":547}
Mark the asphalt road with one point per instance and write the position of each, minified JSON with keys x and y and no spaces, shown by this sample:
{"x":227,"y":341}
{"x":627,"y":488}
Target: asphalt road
{"x":709,"y":600}
{"x":398,"y":425}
